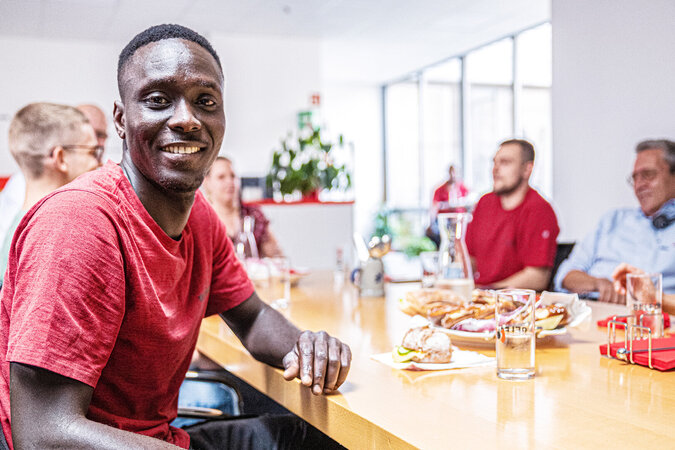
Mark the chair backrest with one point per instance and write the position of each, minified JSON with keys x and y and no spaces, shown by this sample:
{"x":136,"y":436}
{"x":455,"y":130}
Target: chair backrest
{"x":563,"y":250}
{"x":3,"y":442}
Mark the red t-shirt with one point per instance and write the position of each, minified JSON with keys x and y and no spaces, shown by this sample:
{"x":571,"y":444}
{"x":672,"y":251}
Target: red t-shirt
{"x":505,"y":242}
{"x":97,"y":292}
{"x":441,"y":194}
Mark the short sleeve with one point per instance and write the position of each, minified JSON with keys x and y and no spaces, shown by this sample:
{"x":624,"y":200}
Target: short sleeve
{"x":230,"y":284}
{"x":471,"y":228}
{"x":66,"y":279}
{"x":540,"y":231}
{"x":440,"y":194}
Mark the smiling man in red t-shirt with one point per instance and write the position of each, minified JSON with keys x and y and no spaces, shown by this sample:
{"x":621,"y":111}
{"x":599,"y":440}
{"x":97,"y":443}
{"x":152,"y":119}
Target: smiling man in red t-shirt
{"x":512,"y":238}
{"x":109,"y":277}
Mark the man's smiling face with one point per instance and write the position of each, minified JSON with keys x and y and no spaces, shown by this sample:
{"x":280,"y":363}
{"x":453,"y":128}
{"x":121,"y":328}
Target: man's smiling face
{"x":172,"y":114}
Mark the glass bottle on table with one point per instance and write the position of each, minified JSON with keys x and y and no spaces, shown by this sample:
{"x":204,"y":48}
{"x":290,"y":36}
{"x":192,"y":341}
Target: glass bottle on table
{"x":454,"y":262}
{"x":244,"y":245}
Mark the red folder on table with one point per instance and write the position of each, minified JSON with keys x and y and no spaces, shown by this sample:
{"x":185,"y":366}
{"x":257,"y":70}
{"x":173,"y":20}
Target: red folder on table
{"x":661,"y":359}
{"x":603,"y":322}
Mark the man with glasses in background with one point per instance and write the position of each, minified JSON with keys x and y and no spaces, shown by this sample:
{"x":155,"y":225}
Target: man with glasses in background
{"x":14,"y":192}
{"x":643,"y":237}
{"x":53,"y":144}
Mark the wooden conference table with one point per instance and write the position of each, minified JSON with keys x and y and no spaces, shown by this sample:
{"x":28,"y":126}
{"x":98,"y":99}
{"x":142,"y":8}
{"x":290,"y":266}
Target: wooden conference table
{"x":577,"y":399}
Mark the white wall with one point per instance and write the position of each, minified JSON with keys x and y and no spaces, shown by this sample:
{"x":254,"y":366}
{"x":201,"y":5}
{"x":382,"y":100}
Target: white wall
{"x":65,"y":71}
{"x":268,"y":80}
{"x":613,"y":67}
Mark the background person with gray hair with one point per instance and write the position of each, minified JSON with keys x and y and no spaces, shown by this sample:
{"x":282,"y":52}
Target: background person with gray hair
{"x":643,"y":237}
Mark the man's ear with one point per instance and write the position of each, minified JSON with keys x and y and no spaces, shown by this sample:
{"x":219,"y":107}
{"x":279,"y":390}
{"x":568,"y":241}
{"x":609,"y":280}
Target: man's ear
{"x":529,"y":166}
{"x":118,"y":118}
{"x":57,"y":159}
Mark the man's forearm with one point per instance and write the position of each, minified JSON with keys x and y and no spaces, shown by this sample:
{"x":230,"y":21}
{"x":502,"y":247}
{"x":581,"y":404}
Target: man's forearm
{"x":265,"y":333}
{"x":271,"y":337}
{"x":580,"y":282}
{"x":536,"y":278}
{"x":48,"y":411}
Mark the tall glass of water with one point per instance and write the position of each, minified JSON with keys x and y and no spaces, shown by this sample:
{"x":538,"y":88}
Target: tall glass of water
{"x":644,"y":299}
{"x":515,"y":338}
{"x":279,"y":293}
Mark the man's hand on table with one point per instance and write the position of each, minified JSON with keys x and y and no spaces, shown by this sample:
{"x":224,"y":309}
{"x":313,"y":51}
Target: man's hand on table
{"x":619,"y":276}
{"x":607,"y":293}
{"x":320,"y":361}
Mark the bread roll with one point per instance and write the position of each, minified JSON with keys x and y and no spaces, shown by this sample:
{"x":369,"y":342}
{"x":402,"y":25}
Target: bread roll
{"x":433,"y":345}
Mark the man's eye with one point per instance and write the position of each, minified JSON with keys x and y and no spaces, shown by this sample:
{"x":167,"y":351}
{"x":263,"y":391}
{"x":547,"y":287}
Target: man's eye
{"x":207,"y":102}
{"x":157,"y":100}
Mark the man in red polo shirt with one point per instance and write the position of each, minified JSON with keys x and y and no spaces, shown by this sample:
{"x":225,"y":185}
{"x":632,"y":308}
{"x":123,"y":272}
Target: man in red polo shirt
{"x":512,"y":238}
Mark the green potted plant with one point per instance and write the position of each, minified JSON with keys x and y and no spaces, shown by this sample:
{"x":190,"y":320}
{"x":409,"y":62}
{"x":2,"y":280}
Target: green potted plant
{"x":305,"y":165}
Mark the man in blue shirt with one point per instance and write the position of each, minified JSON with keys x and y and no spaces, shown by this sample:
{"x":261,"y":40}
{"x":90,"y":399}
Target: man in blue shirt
{"x":642,"y":237}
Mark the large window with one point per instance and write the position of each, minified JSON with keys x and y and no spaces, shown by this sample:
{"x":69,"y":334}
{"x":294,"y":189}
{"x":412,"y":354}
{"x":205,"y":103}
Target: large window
{"x":458,"y":111}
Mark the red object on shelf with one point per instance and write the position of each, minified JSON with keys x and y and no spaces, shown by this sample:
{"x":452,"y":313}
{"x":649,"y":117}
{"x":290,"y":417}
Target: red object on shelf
{"x":312,"y":196}
{"x":603,"y":322}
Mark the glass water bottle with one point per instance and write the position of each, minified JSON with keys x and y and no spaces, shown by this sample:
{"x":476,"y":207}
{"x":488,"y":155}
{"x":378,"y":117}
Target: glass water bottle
{"x":454,"y":263}
{"x":245,"y":246}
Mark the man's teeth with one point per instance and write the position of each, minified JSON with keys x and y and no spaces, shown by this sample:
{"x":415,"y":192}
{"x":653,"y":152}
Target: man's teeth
{"x":180,"y":149}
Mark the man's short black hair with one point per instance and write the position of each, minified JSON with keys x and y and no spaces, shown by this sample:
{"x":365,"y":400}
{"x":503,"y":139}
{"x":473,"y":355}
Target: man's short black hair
{"x":159,"y":33}
{"x":526,"y":148}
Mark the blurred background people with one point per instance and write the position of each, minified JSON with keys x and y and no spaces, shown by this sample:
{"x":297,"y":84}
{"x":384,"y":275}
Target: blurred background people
{"x":448,"y":197}
{"x":222,"y":189}
{"x":13,"y":195}
{"x":643,"y":237}
{"x":98,"y":121}
{"x":512,"y":238}
{"x":52,"y":144}
{"x":449,"y":194}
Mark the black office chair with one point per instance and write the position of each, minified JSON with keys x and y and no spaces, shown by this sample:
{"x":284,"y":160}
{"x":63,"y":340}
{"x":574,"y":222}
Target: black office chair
{"x":562,"y":252}
{"x":3,"y":442}
{"x":200,"y":385}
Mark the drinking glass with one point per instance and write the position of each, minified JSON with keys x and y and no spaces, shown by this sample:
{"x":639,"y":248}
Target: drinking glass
{"x":258,"y":272}
{"x":515,"y":338}
{"x":429,"y":261}
{"x":279,"y":292}
{"x":644,"y":299}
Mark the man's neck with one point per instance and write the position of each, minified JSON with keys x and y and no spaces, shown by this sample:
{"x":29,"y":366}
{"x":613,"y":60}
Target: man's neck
{"x":169,"y":210}
{"x":37,"y":188}
{"x":515,"y":198}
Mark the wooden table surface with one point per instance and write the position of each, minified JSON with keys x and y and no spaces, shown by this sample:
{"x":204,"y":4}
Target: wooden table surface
{"x":577,"y":399}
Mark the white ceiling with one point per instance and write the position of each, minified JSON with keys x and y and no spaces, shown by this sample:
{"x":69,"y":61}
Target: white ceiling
{"x":455,"y":25}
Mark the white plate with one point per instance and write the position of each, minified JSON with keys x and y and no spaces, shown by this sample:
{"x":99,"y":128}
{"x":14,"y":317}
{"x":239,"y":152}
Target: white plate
{"x":580,"y":317}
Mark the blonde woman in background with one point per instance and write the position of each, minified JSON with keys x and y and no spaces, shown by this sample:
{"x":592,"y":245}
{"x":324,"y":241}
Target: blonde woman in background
{"x":222,"y":188}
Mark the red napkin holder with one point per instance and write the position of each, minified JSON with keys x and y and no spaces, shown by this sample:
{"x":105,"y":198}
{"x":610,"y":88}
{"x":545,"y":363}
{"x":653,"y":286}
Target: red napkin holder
{"x":603,"y":322}
{"x":656,"y":353}
{"x":660,"y":359}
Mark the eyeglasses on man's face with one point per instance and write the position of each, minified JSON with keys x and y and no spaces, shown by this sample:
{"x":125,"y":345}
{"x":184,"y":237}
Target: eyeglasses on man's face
{"x":94,"y":150}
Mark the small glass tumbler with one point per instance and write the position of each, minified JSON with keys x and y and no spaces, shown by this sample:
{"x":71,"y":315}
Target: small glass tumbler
{"x":429,"y":261}
{"x":644,"y":300}
{"x":279,"y":292}
{"x":515,"y":337}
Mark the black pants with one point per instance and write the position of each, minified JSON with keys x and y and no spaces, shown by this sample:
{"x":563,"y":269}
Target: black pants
{"x":272,"y":427}
{"x":262,"y":432}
